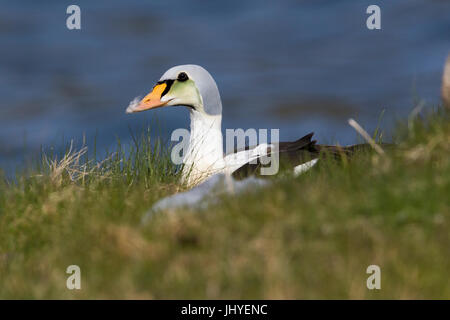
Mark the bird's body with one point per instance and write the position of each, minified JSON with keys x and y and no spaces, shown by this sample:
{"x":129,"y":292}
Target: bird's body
{"x":192,"y":86}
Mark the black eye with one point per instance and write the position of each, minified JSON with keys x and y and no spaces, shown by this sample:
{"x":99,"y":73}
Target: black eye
{"x":182,"y":76}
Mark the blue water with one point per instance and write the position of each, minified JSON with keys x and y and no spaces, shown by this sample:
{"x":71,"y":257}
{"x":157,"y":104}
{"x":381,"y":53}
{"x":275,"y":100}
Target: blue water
{"x":300,"y":66}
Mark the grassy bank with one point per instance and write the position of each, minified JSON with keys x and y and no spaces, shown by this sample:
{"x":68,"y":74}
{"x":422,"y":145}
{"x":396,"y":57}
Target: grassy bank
{"x":306,"y":237}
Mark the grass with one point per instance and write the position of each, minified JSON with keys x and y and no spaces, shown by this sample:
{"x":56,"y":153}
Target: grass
{"x":307,"y":237}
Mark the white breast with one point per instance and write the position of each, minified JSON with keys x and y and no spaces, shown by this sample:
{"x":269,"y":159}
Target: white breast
{"x":204,"y":156}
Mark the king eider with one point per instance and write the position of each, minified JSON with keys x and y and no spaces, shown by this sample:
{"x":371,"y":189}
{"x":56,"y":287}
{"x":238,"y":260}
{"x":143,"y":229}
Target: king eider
{"x":193,"y":87}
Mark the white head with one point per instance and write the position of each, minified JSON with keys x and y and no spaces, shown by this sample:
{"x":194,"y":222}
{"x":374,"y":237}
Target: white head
{"x":185,"y":85}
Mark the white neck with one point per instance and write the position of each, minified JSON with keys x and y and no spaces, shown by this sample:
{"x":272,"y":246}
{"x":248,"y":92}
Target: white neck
{"x":204,"y":156}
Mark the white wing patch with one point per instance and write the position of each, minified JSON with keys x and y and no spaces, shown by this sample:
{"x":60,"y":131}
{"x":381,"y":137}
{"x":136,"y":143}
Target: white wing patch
{"x":301,"y":168}
{"x":234,"y":161}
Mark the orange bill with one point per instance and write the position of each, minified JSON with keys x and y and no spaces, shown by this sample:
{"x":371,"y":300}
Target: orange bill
{"x":151,"y":100}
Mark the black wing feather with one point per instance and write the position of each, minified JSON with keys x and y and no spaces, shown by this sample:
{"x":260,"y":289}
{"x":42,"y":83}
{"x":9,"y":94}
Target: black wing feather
{"x":297,"y":152}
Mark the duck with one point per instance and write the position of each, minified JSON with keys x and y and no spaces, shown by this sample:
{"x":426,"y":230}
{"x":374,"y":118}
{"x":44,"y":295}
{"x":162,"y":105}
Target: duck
{"x":193,"y":87}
